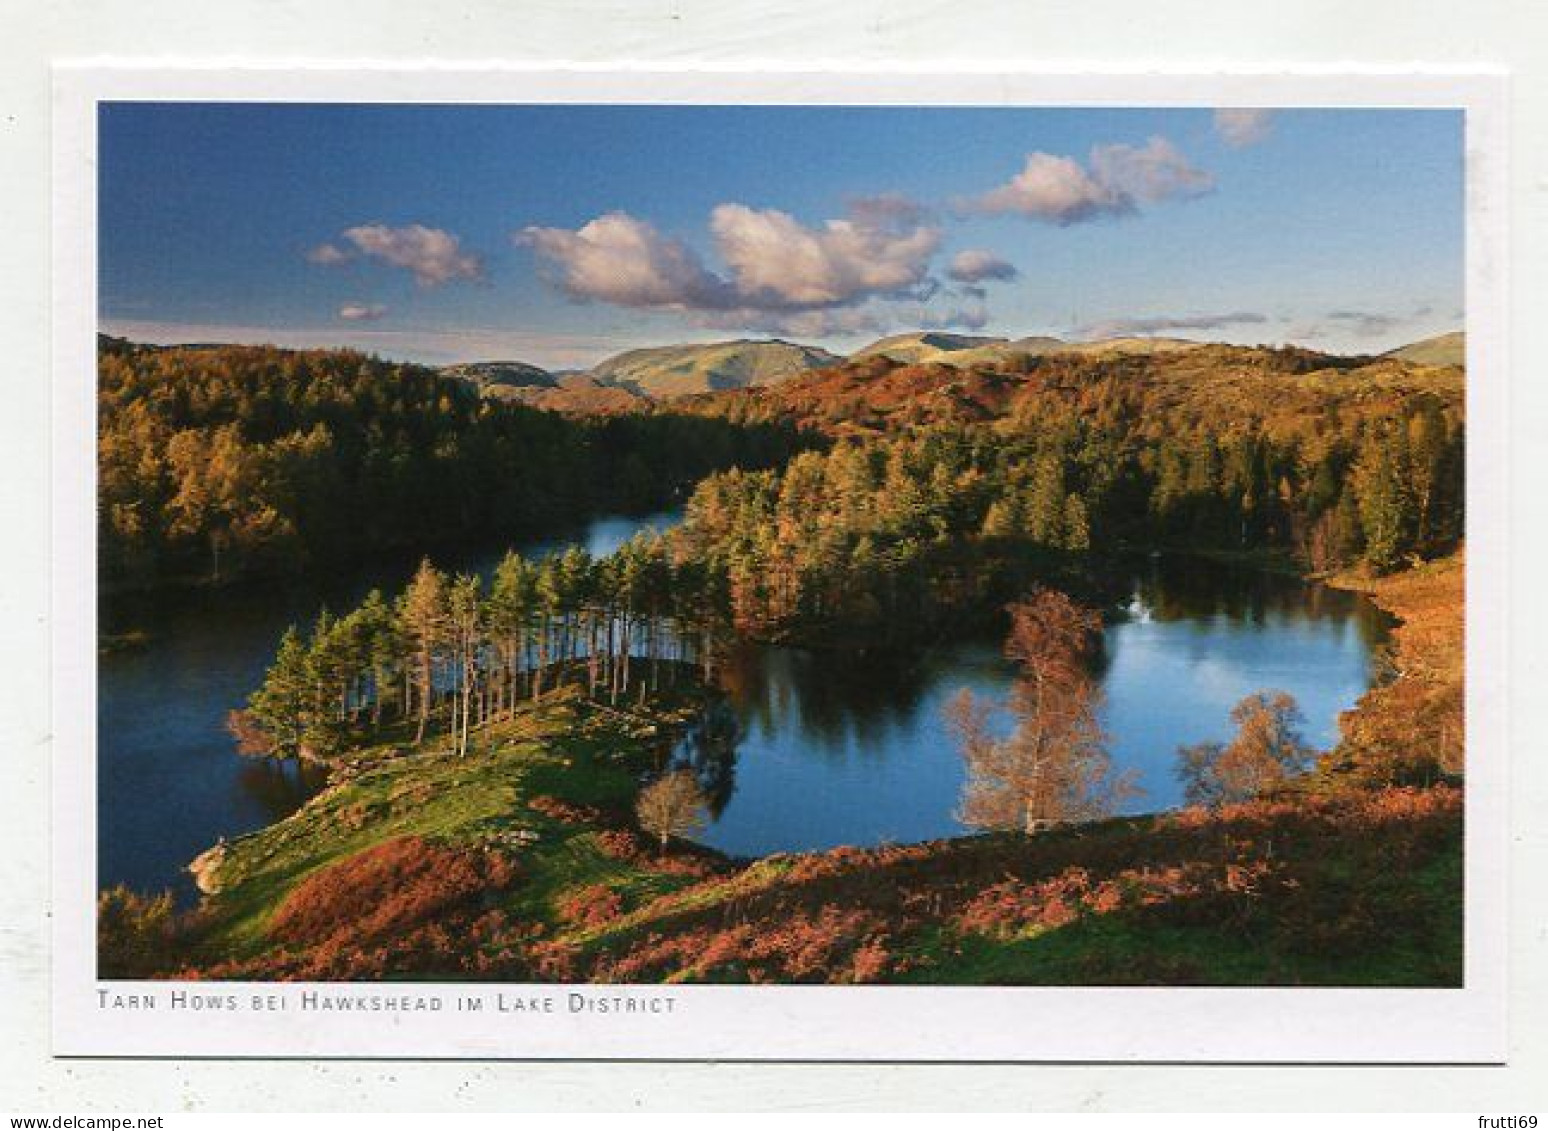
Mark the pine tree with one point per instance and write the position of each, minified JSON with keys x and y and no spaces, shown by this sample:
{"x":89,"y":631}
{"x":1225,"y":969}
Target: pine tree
{"x":422,"y":614}
{"x":1386,"y":504}
{"x":512,"y":601}
{"x":1045,"y":501}
{"x":280,"y":705}
{"x":464,"y":618}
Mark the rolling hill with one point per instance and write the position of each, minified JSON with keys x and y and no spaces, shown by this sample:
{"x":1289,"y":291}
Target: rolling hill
{"x":1282,"y":390}
{"x":924,"y":347}
{"x":1111,"y":347}
{"x":965,"y":351}
{"x":1443,"y":349}
{"x":670,"y":371}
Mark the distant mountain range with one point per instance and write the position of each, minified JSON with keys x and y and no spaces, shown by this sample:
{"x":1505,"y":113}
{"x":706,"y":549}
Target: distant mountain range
{"x":1200,"y":381}
{"x":631,"y":380}
{"x":663,"y":372}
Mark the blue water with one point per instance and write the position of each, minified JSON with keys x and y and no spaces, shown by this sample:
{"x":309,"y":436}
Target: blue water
{"x":809,"y":750}
{"x":838,"y":749}
{"x":170,"y":782}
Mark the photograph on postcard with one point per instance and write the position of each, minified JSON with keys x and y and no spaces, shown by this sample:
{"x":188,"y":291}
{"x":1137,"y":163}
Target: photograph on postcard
{"x":588,"y":555}
{"x":781,"y":544}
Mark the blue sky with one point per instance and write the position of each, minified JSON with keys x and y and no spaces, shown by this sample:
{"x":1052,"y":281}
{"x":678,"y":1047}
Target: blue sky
{"x":561,"y":234}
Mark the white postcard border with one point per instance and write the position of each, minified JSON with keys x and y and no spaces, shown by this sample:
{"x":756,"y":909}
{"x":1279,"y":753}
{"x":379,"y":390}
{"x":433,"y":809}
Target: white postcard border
{"x":1169,"y":1025}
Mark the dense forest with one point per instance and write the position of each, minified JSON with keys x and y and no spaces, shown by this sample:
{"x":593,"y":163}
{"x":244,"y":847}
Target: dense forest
{"x":885,"y":535}
{"x":888,"y":535}
{"x":220,"y":462}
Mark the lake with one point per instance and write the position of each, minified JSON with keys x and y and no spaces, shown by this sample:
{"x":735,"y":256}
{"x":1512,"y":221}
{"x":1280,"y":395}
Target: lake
{"x":170,"y":782}
{"x":809,"y":750}
{"x":834,"y":749}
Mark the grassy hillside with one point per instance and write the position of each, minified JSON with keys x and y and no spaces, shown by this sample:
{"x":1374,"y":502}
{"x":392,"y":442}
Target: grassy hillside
{"x":914,"y":349}
{"x":967,"y":351}
{"x":669,"y":371}
{"x":1410,"y":726}
{"x":1444,"y":349}
{"x":520,"y":863}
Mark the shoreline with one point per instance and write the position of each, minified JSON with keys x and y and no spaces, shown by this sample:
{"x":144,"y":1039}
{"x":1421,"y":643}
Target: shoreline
{"x":631,"y":898}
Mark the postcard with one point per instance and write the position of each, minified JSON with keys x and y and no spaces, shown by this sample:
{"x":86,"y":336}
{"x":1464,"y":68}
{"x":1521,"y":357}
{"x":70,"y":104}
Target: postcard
{"x":771,"y":565}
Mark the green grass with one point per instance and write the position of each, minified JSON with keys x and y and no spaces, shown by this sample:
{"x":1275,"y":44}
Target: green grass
{"x":564,"y":749}
{"x":1344,"y":911}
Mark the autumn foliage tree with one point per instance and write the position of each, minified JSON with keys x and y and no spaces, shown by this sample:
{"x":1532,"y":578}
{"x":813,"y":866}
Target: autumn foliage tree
{"x":1266,"y":752}
{"x":217,"y":462}
{"x":673,"y":805}
{"x":1054,"y":767}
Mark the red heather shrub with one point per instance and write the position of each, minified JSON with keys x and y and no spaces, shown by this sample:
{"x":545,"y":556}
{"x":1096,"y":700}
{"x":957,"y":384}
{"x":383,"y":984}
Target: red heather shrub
{"x":388,"y":889}
{"x":835,"y":945}
{"x":1012,"y":905}
{"x":590,"y":907}
{"x":489,"y":947}
{"x":872,"y":961}
{"x":1008,"y":907}
{"x":620,"y":844}
{"x":809,"y":948}
{"x":564,"y":811}
{"x":553,"y":961}
{"x":847,"y":859}
{"x":683,"y":865}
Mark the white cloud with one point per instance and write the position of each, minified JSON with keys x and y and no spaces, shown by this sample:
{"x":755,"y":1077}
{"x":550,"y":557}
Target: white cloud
{"x":623,"y":261}
{"x":361,"y":312}
{"x":1153,"y":172}
{"x":976,"y":265}
{"x":433,"y":256}
{"x":777,"y":262}
{"x":1116,"y":179}
{"x":1056,"y":189}
{"x":1240,"y":127}
{"x":775,"y":266}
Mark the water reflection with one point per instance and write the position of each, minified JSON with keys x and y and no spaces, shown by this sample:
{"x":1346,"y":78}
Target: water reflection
{"x":708,"y":749}
{"x":280,"y":788}
{"x":809,"y":749}
{"x":838,"y":748}
{"x":170,"y":782}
